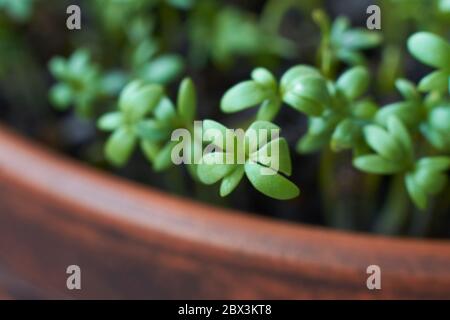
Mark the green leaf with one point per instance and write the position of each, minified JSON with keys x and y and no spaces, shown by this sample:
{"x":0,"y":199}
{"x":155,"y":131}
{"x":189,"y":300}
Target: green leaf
{"x":435,"y":137}
{"x":430,"y":49}
{"x":112,"y":82}
{"x":243,"y":95}
{"x":350,"y":57}
{"x":213,"y":167}
{"x":211,"y":130}
{"x":211,"y":124}
{"x":345,"y":135}
{"x":439,"y":119}
{"x":401,"y":134}
{"x":439,"y":163}
{"x":311,"y":143}
{"x":61,"y":96}
{"x":138,"y":99}
{"x":119,"y":146}
{"x":268,"y":152}
{"x":265,"y":78}
{"x":269,"y":109}
{"x":376,"y":164}
{"x":301,"y":104}
{"x":312,"y":88}
{"x":231,"y":181}
{"x":163,"y":159}
{"x":364,"y":109}
{"x":415,"y":192}
{"x":163,"y":69}
{"x":152,"y":130}
{"x":150,"y":150}
{"x":430,"y":181}
{"x":165,"y":111}
{"x":295,"y":73}
{"x":79,"y":60}
{"x":407,"y":111}
{"x":110,"y":121}
{"x":379,"y":140}
{"x":437,"y":80}
{"x":407,"y":89}
{"x":360,"y":39}
{"x":274,"y":185}
{"x":187,"y":101}
{"x":354,"y":82}
{"x":58,"y":67}
{"x":255,"y":131}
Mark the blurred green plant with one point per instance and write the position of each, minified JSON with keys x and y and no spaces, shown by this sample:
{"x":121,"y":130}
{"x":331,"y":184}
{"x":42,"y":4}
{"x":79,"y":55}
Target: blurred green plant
{"x":79,"y":82}
{"x":19,"y":10}
{"x":224,"y":32}
{"x":340,"y":42}
{"x":434,"y":52}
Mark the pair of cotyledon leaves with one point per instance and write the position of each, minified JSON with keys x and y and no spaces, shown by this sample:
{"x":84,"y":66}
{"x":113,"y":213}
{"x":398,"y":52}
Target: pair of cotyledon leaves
{"x":433,"y":51}
{"x":301,"y":87}
{"x":395,"y":155}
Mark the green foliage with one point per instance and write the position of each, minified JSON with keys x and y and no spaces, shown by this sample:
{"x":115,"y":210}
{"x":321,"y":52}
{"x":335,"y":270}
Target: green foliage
{"x":408,"y":111}
{"x":344,"y":116}
{"x":19,"y":10}
{"x":435,"y":52}
{"x":231,"y":32}
{"x":436,"y":128}
{"x":147,"y":116}
{"x":427,"y":178}
{"x":392,"y":145}
{"x":301,"y":87}
{"x":263,"y":175}
{"x":136,"y":101}
{"x":340,"y":42}
{"x":79,"y":82}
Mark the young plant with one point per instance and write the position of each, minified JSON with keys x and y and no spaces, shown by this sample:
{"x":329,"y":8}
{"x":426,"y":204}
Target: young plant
{"x":301,"y":87}
{"x":79,"y":82}
{"x":339,"y":42}
{"x":136,"y":101}
{"x":265,"y":175}
{"x":146,"y":115}
{"x":18,"y":10}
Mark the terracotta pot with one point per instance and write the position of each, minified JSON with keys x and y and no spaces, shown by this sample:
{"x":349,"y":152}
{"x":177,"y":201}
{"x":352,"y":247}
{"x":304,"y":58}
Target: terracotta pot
{"x":131,"y":241}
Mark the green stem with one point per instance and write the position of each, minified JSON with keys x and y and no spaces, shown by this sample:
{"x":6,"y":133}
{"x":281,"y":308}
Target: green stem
{"x":336,"y":211}
{"x":395,"y":212}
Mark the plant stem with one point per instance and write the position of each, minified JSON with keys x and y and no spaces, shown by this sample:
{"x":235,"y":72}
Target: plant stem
{"x":336,"y":210}
{"x":395,"y":212}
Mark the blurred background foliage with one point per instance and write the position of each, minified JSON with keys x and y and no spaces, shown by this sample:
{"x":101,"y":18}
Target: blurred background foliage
{"x":217,"y":43}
